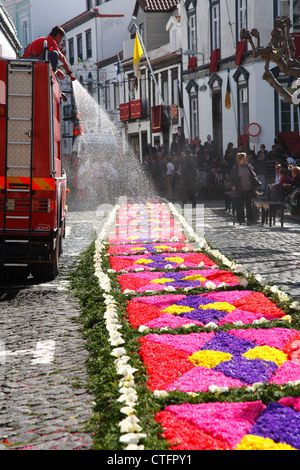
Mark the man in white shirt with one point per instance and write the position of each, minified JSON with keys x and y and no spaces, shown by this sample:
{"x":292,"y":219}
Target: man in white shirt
{"x":169,"y":178}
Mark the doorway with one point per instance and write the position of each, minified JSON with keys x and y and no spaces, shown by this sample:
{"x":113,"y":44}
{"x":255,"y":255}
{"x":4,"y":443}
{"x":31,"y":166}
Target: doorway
{"x":217,"y":119}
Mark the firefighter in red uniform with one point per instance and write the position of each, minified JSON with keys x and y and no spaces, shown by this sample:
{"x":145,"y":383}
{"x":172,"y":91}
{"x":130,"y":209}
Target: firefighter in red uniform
{"x":36,"y":50}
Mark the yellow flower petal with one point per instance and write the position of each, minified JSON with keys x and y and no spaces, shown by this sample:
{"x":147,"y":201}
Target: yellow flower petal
{"x":162,"y":280}
{"x":143,"y":261}
{"x":162,"y":247}
{"x":175,"y":259}
{"x":266,"y":353}
{"x":177,"y":309}
{"x":209,"y":359}
{"x":226,"y":307}
{"x":250,"y":442}
{"x":194,"y":277}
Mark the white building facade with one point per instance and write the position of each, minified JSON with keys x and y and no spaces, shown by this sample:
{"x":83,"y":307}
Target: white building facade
{"x":96,"y":36}
{"x":213,"y":53}
{"x":149,"y":105}
{"x":9,"y":43}
{"x":35,"y":18}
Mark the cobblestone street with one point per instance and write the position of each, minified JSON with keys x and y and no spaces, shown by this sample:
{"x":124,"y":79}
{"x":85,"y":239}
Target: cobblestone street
{"x":44,"y":401}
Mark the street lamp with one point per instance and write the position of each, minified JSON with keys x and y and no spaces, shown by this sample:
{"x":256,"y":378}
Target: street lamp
{"x":192,"y":52}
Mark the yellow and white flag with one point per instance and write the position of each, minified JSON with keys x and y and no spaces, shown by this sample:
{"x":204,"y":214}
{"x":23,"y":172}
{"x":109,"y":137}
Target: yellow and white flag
{"x":138,"y":53}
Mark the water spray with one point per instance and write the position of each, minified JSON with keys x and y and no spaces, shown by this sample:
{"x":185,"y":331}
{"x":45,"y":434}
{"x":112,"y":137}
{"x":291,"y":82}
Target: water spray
{"x":108,"y":168}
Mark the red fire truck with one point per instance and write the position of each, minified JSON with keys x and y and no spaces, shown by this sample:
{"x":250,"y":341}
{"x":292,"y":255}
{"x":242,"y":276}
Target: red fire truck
{"x":32,"y":181}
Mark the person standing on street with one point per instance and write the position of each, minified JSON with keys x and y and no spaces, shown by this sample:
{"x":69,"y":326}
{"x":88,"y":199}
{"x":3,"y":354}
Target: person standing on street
{"x":243,"y":182}
{"x":188,"y":178}
{"x":169,"y":177}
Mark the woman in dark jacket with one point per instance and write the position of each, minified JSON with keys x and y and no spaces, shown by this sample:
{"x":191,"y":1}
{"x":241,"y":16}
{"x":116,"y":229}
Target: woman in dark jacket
{"x":243,"y":182}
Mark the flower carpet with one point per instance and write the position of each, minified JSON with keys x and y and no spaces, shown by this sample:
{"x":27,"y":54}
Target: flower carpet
{"x":203,"y":309}
{"x":216,"y":352}
{"x":158,"y":261}
{"x":161,"y":281}
{"x":237,"y":358}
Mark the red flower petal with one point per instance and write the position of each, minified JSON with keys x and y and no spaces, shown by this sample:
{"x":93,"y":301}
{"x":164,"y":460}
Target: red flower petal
{"x":140,"y":314}
{"x":186,"y":436}
{"x":258,"y":302}
{"x":164,"y":364}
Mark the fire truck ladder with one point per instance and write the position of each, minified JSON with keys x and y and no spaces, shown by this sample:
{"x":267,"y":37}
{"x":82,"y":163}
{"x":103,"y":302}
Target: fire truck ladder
{"x":19,"y":162}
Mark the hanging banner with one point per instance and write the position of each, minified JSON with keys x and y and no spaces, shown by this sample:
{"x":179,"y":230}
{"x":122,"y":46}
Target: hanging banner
{"x":174,"y":111}
{"x":136,"y":109}
{"x":124,"y":111}
{"x":156,"y":118}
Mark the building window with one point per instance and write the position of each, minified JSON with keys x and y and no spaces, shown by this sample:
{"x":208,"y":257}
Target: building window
{"x":88,"y":38}
{"x":142,"y":31}
{"x":243,"y":107}
{"x":290,"y":8}
{"x":71,"y":51}
{"x":241,"y":14}
{"x":165,"y":87}
{"x":215,"y":26}
{"x":90,"y":82}
{"x":116,"y":96}
{"x":107,"y":96}
{"x":175,"y":92}
{"x":194,"y":117}
{"x":241,"y":77}
{"x":192,"y":26}
{"x":25,"y":33}
{"x":192,"y":89}
{"x":79,"y":47}
{"x":288,"y":116}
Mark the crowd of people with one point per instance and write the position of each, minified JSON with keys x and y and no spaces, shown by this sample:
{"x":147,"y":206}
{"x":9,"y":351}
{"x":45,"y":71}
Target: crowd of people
{"x":187,"y":171}
{"x":193,"y":172}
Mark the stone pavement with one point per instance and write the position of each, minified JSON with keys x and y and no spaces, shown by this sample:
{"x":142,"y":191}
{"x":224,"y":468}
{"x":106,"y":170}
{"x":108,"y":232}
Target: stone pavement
{"x":273,"y":252}
{"x":44,"y":403}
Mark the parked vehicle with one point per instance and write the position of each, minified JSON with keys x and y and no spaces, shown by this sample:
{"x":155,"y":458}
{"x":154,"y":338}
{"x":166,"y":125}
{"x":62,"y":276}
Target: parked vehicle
{"x":32,"y":182}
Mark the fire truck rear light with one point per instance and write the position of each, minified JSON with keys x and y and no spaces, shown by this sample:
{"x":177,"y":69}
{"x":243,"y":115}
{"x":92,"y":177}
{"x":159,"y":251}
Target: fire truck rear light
{"x":2,"y":110}
{"x":23,"y":205}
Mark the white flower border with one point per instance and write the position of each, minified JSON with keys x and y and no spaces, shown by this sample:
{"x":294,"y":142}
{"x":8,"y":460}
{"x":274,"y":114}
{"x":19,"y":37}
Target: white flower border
{"x":129,"y":427}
